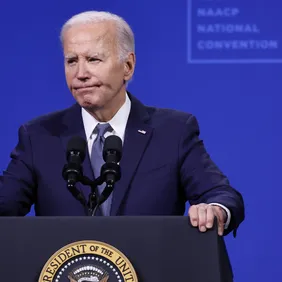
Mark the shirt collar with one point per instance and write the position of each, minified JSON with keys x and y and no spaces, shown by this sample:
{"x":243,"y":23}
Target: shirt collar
{"x":118,"y":122}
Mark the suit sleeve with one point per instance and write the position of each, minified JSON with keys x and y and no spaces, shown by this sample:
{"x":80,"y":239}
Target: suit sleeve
{"x":17,"y":184}
{"x":202,"y":180}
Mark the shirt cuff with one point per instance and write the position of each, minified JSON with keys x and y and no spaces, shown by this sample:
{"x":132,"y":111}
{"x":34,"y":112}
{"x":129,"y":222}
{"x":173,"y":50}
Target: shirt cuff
{"x":227,"y":212}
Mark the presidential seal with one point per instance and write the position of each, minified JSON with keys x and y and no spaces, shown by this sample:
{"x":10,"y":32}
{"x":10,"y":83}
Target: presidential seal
{"x":88,"y":261}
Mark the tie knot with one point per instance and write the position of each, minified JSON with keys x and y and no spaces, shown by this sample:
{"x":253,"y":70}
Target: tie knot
{"x":101,"y":129}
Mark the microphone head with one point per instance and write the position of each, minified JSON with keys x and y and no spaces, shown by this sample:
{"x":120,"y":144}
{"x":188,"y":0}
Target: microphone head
{"x":77,"y":144}
{"x":112,"y":146}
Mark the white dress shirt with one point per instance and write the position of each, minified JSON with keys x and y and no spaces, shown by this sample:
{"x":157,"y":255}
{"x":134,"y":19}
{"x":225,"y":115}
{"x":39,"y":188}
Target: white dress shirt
{"x":118,"y":124}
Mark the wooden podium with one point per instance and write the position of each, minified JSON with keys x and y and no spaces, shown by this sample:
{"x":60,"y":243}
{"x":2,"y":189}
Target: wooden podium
{"x":156,"y":249}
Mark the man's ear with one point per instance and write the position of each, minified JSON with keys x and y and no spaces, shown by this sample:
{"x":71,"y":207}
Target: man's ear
{"x":129,"y":66}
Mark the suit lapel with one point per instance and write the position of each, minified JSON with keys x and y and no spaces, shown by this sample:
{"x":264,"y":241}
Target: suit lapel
{"x":74,"y":127}
{"x":137,"y":136}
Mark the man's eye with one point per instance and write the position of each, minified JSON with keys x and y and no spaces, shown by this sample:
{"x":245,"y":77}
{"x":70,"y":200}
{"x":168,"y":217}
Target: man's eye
{"x":93,"y":59}
{"x":71,"y":61}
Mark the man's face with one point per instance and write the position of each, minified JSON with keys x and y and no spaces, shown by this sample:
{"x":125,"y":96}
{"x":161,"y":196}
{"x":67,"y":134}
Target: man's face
{"x":94,"y":73}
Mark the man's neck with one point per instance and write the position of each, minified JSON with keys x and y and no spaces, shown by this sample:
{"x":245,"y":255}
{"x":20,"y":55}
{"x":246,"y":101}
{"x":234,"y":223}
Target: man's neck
{"x":107,"y":113}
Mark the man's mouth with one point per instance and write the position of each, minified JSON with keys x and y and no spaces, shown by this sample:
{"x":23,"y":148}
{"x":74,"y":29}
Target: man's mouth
{"x":83,"y":88}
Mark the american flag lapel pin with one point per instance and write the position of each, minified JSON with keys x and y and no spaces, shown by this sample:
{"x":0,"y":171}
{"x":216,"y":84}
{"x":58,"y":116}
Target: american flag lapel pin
{"x":142,"y":131}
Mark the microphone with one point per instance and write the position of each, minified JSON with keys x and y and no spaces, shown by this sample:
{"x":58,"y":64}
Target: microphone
{"x":72,"y":171}
{"x":112,"y":153}
{"x":110,"y":171}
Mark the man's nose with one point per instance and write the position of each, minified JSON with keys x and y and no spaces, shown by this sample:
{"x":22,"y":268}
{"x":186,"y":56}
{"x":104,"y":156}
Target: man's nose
{"x":82,"y":72}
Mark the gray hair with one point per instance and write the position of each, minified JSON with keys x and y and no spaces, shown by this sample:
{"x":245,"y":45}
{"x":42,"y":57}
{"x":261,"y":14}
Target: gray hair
{"x":125,"y":36}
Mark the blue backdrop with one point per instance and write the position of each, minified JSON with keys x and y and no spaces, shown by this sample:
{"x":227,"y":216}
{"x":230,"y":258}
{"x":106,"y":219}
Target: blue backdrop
{"x":219,"y":59}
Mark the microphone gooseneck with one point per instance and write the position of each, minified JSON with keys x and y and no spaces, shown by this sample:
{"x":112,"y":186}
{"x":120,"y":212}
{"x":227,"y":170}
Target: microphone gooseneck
{"x":110,"y":172}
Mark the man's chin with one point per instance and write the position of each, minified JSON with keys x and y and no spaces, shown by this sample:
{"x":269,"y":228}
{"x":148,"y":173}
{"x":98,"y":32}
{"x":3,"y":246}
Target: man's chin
{"x":87,"y":102}
{"x":90,"y":105}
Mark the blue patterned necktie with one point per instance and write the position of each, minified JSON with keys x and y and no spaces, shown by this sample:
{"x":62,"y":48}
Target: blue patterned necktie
{"x":97,"y":162}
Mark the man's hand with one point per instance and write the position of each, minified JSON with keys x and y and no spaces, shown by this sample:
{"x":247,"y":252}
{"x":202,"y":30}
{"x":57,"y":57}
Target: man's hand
{"x":202,"y":216}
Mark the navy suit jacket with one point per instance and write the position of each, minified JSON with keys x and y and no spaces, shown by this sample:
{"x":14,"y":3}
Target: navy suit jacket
{"x":161,"y":170}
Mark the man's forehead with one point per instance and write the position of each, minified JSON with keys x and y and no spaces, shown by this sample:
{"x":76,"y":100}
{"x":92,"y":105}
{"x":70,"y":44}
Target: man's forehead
{"x":97,"y":39}
{"x":88,"y":48}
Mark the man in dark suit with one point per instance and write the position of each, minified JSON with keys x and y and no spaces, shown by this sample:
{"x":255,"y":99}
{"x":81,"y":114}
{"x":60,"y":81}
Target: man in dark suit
{"x":164,"y":162}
